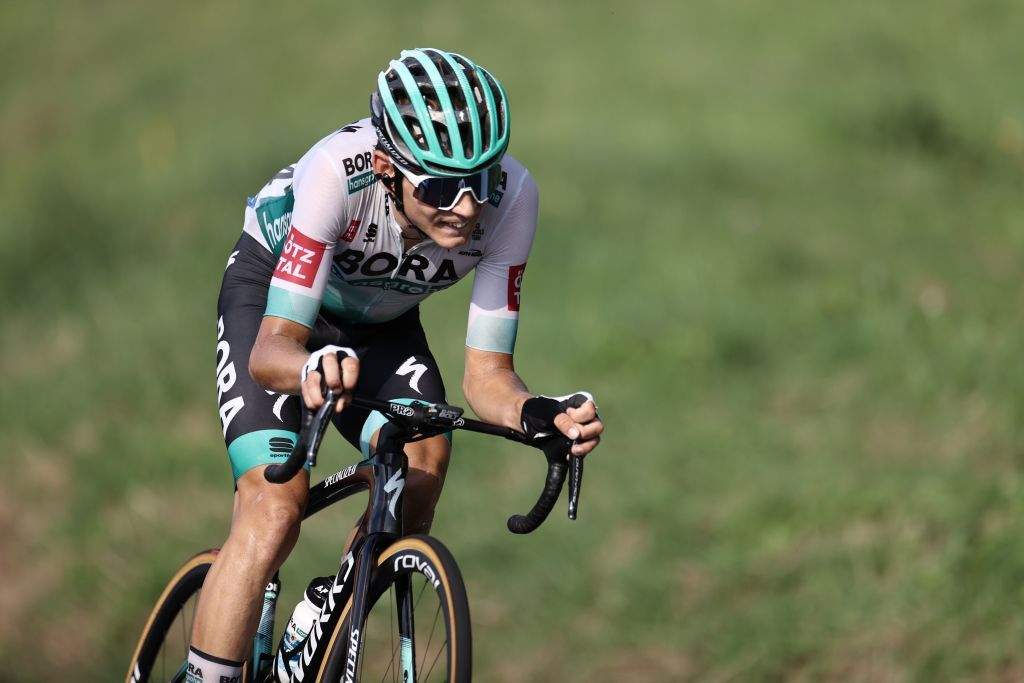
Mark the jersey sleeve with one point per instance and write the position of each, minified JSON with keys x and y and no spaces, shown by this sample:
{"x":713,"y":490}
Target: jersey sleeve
{"x":494,"y":308}
{"x":299,"y":279}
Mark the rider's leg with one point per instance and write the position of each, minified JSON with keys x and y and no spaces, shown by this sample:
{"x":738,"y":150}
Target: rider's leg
{"x":428,"y":463}
{"x":264,"y":530}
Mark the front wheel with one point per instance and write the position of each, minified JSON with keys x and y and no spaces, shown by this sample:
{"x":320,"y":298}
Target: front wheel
{"x":162,"y":650}
{"x":417,"y":628}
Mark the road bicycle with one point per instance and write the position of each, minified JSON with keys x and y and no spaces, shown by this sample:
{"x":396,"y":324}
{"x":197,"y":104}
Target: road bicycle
{"x":421,"y":631}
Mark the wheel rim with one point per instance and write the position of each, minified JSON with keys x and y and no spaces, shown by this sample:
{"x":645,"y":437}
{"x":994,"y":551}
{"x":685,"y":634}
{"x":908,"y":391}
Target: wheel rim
{"x":171,"y":659}
{"x":162,"y":650}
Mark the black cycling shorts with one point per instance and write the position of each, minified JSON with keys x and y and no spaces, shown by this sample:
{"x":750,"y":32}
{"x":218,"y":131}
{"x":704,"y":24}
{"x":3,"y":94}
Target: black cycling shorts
{"x":260,"y":426}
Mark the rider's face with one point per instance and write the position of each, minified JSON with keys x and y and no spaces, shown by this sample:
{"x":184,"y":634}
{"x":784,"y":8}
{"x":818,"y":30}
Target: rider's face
{"x":449,"y":228}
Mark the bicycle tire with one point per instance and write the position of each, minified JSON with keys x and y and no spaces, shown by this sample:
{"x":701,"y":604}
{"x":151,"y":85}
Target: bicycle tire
{"x":172,"y":603}
{"x":413,"y":558}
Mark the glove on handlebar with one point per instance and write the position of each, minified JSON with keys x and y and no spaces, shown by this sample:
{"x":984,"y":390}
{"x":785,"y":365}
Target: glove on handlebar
{"x":539,"y":413}
{"x":316,"y":359}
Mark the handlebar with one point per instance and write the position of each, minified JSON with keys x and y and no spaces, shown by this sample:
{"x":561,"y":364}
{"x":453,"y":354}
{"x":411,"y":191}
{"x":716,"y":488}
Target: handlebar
{"x":314,"y":426}
{"x":434,"y":419}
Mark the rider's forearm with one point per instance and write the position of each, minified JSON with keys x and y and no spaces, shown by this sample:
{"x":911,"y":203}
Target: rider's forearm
{"x":496,"y":395}
{"x":276,"y":363}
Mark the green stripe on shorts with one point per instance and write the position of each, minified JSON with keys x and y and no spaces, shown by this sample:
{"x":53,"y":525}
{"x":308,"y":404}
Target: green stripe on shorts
{"x":265,"y":447}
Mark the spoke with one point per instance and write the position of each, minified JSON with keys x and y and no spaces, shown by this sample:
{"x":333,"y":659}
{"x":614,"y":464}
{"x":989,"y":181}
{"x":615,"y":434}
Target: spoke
{"x":434,"y":663}
{"x":431,"y":638}
{"x":417,"y":603}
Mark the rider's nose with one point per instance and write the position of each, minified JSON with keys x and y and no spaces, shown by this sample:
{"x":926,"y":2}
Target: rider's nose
{"x":466,"y":207}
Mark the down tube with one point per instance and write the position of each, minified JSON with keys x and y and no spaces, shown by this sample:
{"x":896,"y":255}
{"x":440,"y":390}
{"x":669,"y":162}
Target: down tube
{"x":343,"y":663}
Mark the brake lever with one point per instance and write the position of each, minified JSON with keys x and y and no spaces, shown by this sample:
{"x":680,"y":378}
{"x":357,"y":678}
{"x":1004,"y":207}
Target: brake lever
{"x":575,"y":482}
{"x":321,"y":418}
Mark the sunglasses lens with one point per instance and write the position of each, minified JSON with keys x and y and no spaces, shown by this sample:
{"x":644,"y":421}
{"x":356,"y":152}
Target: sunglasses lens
{"x":444,"y":193}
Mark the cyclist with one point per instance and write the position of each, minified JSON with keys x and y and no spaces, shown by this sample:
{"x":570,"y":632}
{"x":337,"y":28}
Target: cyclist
{"x":336,"y":253}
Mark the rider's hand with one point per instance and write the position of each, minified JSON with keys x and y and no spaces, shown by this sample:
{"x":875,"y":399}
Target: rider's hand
{"x":574,"y":415}
{"x":323,"y":367}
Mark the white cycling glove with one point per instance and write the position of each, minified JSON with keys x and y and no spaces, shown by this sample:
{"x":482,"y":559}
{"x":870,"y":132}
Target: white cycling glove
{"x":316,"y":359}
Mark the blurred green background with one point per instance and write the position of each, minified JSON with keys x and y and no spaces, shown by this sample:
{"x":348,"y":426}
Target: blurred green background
{"x":781,"y":242}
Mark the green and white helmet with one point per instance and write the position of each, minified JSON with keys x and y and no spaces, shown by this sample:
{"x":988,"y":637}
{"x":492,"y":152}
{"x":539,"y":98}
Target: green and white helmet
{"x":440,"y":114}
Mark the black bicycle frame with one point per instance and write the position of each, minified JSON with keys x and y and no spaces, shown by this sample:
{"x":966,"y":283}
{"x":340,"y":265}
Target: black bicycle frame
{"x":383,"y":475}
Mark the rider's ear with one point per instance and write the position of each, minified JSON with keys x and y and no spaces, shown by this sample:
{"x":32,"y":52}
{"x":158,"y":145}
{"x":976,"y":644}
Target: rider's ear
{"x":382,"y":165}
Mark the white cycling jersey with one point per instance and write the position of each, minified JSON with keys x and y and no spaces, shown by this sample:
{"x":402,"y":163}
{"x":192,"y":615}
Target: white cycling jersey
{"x":338,"y":245}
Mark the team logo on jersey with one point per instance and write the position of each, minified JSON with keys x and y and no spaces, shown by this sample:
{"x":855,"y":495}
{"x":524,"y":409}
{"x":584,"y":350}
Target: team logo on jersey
{"x":371,"y":233}
{"x":300,"y":259}
{"x":515,"y":283}
{"x":353,"y":228}
{"x":361,"y":164}
{"x":357,"y":164}
{"x":351,"y":261}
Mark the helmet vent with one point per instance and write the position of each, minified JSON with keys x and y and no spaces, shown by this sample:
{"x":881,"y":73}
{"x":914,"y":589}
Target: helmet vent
{"x":499,"y":102}
{"x":443,"y":138}
{"x":413,"y":124}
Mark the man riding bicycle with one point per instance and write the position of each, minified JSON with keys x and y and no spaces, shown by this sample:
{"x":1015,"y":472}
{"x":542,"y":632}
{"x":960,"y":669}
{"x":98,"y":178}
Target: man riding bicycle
{"x":336,"y":253}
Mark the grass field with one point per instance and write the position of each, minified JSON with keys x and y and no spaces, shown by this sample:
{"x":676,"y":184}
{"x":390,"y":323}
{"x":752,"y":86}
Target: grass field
{"x":780,"y":242}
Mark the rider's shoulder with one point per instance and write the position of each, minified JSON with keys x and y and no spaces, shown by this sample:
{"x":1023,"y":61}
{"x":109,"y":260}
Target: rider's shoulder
{"x":357,"y":137}
{"x":348,"y":151}
{"x":515,"y":187}
{"x":516,"y":172}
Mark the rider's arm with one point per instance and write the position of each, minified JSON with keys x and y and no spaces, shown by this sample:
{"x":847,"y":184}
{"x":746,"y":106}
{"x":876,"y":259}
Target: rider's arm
{"x":497,"y":394}
{"x":278,"y":355}
{"x":493,"y":389}
{"x":293,"y":298}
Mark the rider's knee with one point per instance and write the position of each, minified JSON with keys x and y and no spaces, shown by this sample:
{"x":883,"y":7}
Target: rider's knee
{"x":272,"y":526}
{"x":280,"y":518}
{"x":277,"y":534}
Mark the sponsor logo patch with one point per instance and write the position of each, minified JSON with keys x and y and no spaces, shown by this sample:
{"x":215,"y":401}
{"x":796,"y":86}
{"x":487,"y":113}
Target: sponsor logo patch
{"x":515,"y":283}
{"x":350,"y":232}
{"x":300,"y":259}
{"x":360,"y":182}
{"x":280,"y":447}
{"x":371,"y":233}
